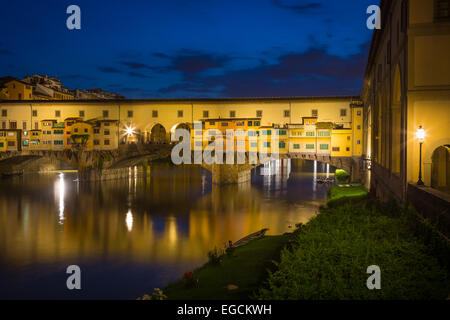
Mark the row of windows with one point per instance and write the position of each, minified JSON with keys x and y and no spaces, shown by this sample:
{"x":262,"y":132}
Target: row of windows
{"x":10,"y":144}
{"x":180,"y":113}
{"x":105,"y":142}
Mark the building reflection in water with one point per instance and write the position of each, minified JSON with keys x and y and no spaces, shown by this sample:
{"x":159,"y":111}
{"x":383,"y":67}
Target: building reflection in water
{"x":60,"y":191}
{"x":173,"y":215}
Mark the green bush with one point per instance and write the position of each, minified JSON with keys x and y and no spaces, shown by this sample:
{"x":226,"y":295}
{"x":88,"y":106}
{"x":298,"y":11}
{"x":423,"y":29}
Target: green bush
{"x":342,"y":176}
{"x":334,"y":249}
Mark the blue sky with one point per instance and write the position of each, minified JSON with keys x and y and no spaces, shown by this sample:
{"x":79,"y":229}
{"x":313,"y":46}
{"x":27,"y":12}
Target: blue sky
{"x":191,"y":48}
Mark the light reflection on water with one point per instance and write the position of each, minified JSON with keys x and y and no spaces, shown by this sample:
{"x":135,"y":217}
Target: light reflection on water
{"x":141,"y":232}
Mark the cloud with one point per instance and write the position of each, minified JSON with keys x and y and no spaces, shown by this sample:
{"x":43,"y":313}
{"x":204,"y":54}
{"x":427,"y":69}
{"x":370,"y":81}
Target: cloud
{"x":107,"y":69}
{"x":5,"y":52}
{"x":191,"y":62}
{"x":137,"y":75}
{"x":77,"y":77}
{"x":161,"y":55}
{"x":299,"y":9}
{"x":134,"y":65}
{"x":314,"y":72}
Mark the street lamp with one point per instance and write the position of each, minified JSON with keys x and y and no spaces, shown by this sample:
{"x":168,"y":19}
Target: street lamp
{"x":420,"y":134}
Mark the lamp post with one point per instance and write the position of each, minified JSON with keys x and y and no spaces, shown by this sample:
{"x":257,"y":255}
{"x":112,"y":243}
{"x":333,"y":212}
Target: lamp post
{"x":420,"y":134}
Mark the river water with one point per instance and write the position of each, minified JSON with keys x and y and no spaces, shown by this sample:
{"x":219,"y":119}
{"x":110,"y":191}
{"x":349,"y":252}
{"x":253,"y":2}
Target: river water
{"x":131,"y":235}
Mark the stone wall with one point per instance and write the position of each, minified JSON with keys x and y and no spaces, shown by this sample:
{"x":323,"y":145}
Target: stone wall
{"x":433,"y":205}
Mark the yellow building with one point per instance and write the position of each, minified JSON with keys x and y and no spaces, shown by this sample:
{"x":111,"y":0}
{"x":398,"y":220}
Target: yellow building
{"x":35,"y":139}
{"x":105,"y":134}
{"x":60,"y":95}
{"x":68,"y":130}
{"x":14,"y":89}
{"x":407,"y":86}
{"x":82,"y":136}
{"x":58,"y":136}
{"x":47,"y":134}
{"x":341,"y":143}
{"x":11,"y":139}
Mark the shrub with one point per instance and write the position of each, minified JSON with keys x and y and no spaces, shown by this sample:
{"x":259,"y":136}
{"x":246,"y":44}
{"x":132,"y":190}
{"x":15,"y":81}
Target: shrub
{"x":331,"y":255}
{"x":188,"y":280}
{"x":342,"y":176}
{"x":215,"y":256}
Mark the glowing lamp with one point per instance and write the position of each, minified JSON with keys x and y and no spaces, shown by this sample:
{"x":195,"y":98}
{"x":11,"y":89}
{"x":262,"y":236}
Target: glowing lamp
{"x":420,"y":134}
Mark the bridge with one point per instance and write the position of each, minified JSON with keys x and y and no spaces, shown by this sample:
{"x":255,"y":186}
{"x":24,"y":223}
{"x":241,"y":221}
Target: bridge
{"x":106,"y":165}
{"x":91,"y":165}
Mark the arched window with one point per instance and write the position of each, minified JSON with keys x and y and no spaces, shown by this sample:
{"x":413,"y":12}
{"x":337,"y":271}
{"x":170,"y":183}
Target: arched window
{"x":440,"y":169}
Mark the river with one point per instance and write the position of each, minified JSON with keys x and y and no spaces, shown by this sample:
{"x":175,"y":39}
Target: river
{"x":129,"y":236}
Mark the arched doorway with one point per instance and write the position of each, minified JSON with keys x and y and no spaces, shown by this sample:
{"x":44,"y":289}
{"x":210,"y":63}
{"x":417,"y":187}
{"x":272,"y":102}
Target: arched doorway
{"x":183,"y":125}
{"x":158,"y":134}
{"x":440,"y":169}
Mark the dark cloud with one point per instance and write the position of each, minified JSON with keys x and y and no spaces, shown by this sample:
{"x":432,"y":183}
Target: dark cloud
{"x":5,"y":52}
{"x":192,"y":62}
{"x":300,"y":9}
{"x":106,"y":69}
{"x":314,"y":72}
{"x":161,"y":55}
{"x":77,"y":77}
{"x":134,"y":65}
{"x":137,"y":74}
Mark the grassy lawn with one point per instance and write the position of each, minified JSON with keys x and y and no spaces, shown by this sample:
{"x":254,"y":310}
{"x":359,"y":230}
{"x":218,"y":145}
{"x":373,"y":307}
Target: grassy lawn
{"x":246,"y":267}
{"x":338,"y":194}
{"x":333,"y":251}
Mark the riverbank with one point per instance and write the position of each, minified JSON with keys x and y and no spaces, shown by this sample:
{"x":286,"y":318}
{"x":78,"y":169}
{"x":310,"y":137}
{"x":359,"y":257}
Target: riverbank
{"x":328,"y":258}
{"x":238,"y":275}
{"x":334,"y":250}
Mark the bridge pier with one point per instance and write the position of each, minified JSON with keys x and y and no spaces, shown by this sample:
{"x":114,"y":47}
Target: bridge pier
{"x":223,"y":174}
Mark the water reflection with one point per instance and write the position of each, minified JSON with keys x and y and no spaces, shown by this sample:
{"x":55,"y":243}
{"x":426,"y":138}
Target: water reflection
{"x":170,"y":217}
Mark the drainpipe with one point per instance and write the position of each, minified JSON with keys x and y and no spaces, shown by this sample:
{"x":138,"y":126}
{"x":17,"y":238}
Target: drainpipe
{"x":290,"y":112}
{"x":192,"y":113}
{"x":118,"y":130}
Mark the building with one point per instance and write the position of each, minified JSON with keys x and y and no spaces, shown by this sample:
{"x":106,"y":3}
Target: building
{"x":407,"y":86}
{"x":10,"y":140}
{"x":14,"y":89}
